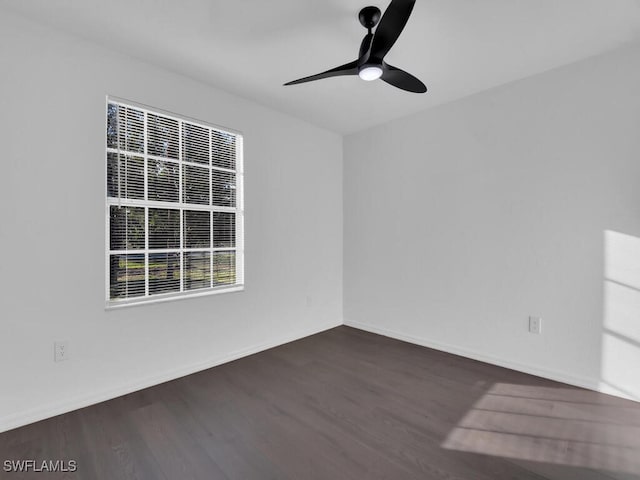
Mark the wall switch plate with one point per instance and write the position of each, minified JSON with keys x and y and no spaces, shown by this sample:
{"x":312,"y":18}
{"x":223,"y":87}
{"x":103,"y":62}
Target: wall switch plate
{"x":60,"y":351}
{"x":535,"y":325}
{"x":309,"y":301}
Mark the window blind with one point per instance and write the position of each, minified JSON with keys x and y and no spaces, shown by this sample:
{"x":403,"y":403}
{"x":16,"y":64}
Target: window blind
{"x":174,"y":206}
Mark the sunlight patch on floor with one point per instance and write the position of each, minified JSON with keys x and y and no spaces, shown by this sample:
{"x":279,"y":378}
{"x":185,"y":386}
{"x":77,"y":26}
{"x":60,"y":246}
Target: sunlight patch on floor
{"x":569,"y":427}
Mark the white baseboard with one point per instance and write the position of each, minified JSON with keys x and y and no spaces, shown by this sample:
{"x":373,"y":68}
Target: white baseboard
{"x":577,"y":381}
{"x":47,"y":411}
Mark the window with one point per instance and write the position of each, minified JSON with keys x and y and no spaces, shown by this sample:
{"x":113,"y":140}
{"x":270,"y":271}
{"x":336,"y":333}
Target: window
{"x":173,"y":208}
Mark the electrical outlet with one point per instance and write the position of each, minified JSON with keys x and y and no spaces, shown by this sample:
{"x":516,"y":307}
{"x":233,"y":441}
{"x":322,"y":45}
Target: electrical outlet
{"x":309,"y":301}
{"x":60,"y":351}
{"x":535,"y":325}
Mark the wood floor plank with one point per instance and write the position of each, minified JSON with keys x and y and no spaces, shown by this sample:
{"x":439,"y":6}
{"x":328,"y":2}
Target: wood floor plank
{"x":171,"y":446}
{"x":211,"y":426}
{"x":115,"y":445}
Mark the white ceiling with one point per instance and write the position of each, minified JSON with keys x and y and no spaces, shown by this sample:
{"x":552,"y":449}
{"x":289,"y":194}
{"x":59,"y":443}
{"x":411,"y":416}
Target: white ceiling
{"x":251,"y":47}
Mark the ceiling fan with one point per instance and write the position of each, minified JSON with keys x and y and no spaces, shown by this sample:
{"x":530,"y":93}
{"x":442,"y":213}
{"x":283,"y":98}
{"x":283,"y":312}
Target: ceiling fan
{"x":370,"y":64}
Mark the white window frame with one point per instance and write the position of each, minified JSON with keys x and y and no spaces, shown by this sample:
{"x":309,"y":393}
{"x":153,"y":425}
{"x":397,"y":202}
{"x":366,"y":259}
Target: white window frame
{"x":238,"y":210}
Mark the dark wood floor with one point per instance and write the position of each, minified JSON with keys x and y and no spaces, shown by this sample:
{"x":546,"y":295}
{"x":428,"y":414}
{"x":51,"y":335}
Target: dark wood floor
{"x":343,"y":404}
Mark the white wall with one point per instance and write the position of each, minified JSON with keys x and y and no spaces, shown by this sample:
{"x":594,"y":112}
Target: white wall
{"x":52,"y":124}
{"x":463,"y":220}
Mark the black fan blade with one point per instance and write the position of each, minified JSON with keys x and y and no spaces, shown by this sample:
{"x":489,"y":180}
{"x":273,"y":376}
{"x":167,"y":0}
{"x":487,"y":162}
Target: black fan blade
{"x":346,"y":69}
{"x":401,"y":79}
{"x":390,"y":27}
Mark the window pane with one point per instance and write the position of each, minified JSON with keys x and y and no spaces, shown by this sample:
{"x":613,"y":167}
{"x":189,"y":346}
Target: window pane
{"x":126,"y":228}
{"x":163,"y":181}
{"x":224,"y":229}
{"x":197,"y":229}
{"x":197,"y":270}
{"x":164,"y":228}
{"x":127,"y":124}
{"x":127,"y":276}
{"x":223,"y":189}
{"x":224,"y":268}
{"x":162,"y":135}
{"x":125,"y":178}
{"x":164,"y":273}
{"x":112,"y":126}
{"x":195,"y":144}
{"x":223,"y":149}
{"x":195,"y":185}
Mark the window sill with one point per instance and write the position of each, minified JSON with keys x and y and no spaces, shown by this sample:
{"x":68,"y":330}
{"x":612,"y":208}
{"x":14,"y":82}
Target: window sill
{"x":114,"y":305}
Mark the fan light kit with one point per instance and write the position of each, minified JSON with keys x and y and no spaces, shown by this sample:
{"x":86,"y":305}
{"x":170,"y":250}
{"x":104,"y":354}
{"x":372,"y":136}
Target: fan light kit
{"x":370,"y":64}
{"x":370,"y":73}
